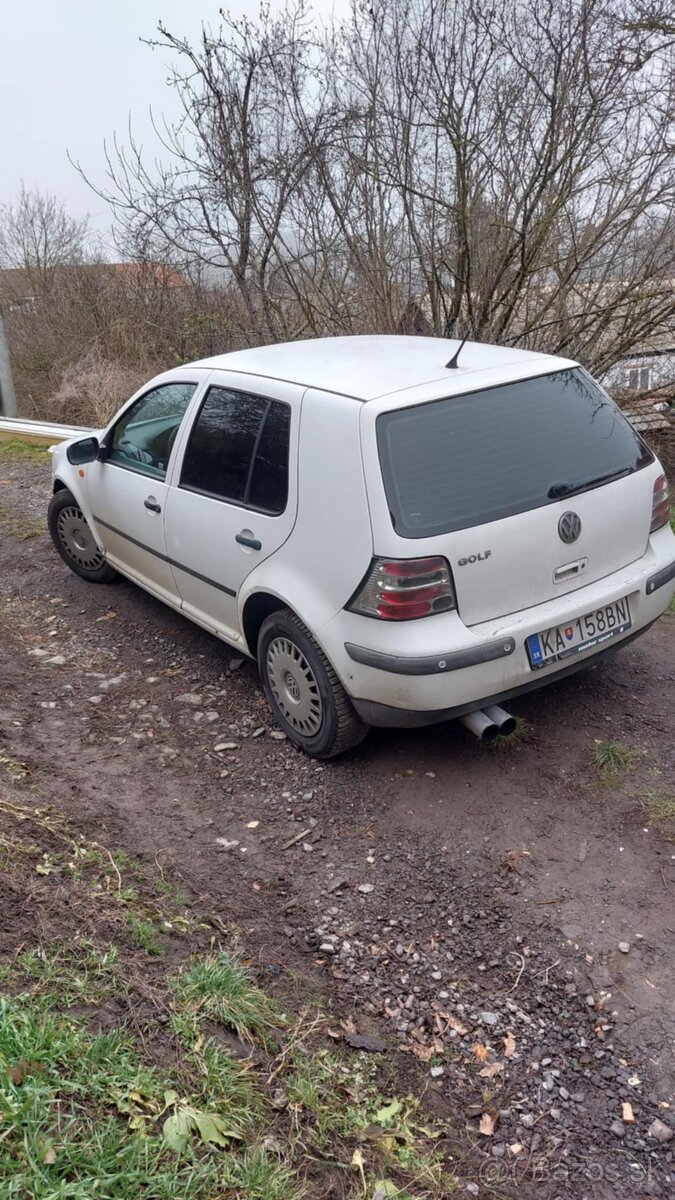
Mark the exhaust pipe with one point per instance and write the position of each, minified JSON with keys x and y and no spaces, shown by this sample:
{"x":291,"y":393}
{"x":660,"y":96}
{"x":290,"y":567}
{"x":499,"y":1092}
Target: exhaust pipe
{"x":503,"y":720}
{"x":481,"y":725}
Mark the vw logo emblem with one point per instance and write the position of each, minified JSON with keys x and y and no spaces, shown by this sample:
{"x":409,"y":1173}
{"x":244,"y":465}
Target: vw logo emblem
{"x":569,"y":527}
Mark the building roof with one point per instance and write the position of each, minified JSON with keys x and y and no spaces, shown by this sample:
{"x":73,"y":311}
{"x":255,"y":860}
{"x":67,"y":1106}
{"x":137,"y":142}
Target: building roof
{"x":368,"y":367}
{"x":644,"y":417}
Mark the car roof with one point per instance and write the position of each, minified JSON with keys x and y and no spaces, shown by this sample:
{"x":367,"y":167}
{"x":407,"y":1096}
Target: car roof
{"x":369,"y":367}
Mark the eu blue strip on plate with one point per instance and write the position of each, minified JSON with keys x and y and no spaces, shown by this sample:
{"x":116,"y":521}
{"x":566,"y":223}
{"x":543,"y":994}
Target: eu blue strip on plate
{"x":534,"y":647}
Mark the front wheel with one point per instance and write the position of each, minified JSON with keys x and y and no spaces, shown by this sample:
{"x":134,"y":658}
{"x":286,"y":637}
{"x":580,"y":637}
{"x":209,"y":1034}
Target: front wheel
{"x":74,"y":540}
{"x":303,"y":691}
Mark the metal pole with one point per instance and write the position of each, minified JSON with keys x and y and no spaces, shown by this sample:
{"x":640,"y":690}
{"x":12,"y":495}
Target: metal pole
{"x":7,"y":393}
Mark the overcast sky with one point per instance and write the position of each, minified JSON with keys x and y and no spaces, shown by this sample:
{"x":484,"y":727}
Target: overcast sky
{"x":71,"y":73}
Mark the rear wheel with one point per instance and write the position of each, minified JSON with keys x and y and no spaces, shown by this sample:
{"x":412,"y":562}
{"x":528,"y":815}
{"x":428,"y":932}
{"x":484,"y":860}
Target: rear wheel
{"x":74,"y":540}
{"x":304,"y":693}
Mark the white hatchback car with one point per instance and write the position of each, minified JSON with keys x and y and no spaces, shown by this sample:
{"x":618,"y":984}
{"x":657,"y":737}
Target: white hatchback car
{"x":395,"y":538}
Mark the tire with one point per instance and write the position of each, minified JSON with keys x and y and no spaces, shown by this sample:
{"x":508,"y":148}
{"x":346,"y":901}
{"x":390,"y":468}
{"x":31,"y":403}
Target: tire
{"x":307,"y":699}
{"x":74,"y":540}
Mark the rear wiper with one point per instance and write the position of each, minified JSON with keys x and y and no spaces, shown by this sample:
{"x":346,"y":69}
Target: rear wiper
{"x":558,"y":490}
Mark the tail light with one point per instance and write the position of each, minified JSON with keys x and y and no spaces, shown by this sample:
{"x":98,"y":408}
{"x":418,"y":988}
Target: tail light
{"x":403,"y":589}
{"x":660,"y":504}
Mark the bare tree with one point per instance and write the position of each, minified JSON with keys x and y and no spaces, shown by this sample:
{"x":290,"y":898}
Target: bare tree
{"x":37,"y":235}
{"x":507,"y":168}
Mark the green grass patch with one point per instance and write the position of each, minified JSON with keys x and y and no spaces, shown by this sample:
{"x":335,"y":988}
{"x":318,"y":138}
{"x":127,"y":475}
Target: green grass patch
{"x":613,"y":758}
{"x":660,"y":809}
{"x":144,"y":934}
{"x":16,"y":450}
{"x":220,"y":987}
{"x":67,"y":974}
{"x":520,"y":737}
{"x":82,"y":1116}
{"x":336,"y":1100}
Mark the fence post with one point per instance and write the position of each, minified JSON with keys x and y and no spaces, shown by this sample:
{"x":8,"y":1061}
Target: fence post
{"x":7,"y":394}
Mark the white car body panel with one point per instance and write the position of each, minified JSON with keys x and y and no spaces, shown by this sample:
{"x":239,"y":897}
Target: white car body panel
{"x":445,"y":633}
{"x":315,"y":555}
{"x":201,"y":530}
{"x":364,"y":368}
{"x":332,"y":543}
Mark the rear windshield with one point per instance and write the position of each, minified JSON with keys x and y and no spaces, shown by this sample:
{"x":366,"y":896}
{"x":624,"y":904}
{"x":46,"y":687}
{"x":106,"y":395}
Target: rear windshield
{"x":470,"y":459}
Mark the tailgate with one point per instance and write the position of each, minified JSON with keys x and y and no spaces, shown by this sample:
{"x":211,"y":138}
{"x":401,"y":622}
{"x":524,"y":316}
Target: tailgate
{"x":530,"y":489}
{"x":513,"y":564}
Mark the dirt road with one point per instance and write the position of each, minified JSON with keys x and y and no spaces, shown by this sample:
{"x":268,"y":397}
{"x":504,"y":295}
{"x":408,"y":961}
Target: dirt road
{"x":444,"y":897}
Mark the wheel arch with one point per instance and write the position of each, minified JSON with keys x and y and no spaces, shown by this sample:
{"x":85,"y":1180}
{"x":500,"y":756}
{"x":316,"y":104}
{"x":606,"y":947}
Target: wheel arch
{"x":257,"y":608}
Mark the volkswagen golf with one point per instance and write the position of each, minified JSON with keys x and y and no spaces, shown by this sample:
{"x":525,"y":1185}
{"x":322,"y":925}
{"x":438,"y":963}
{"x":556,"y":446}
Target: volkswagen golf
{"x":396,"y":532}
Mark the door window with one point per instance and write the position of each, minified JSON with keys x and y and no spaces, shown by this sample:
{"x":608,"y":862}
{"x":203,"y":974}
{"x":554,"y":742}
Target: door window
{"x":238,"y":450}
{"x":143,"y":438}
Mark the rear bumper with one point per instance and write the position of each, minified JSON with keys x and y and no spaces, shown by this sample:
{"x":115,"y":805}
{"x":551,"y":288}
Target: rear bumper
{"x":431,"y":664}
{"x":430,"y":670}
{"x":661,"y":578}
{"x":398,"y":718}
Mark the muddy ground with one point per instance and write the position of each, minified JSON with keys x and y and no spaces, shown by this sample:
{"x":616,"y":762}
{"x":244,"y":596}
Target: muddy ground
{"x":462,"y":906}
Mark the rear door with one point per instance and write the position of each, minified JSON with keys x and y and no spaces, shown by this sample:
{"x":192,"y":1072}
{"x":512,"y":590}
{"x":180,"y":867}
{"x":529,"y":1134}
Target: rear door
{"x":236,"y":496}
{"x":530,"y":489}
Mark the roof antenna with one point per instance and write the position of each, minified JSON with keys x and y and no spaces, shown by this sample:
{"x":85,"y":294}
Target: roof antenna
{"x":454,"y":361}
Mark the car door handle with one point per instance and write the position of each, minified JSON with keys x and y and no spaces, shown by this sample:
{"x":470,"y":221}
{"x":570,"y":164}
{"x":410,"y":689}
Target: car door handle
{"x":252,"y":542}
{"x":152,"y":504}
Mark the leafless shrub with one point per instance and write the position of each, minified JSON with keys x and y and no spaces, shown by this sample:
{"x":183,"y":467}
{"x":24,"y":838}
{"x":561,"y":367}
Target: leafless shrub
{"x":91,"y":390}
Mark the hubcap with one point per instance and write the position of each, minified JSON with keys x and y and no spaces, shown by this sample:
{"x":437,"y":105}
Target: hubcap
{"x":77,"y":539}
{"x":294,"y":686}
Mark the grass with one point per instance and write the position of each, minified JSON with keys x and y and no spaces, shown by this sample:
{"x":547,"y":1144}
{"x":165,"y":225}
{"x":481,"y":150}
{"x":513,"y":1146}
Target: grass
{"x":660,"y":809}
{"x":144,"y":934}
{"x":131,"y":1076}
{"x":221,"y":988}
{"x":79,"y":972}
{"x":80,"y":1116}
{"x":520,"y":736}
{"x":13,"y":449}
{"x":613,"y":758}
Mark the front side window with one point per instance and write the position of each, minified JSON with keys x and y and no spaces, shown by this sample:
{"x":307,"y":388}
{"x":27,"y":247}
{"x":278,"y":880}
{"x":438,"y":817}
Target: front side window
{"x":143,"y":438}
{"x":470,"y":459}
{"x":238,"y":450}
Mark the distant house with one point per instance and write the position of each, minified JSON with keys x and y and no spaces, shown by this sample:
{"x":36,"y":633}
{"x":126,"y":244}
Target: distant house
{"x":648,"y":370}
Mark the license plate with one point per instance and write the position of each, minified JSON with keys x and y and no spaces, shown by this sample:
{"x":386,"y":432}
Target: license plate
{"x":583,"y":633}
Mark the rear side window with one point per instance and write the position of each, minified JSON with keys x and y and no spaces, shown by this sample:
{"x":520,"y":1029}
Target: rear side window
{"x":451,"y":464}
{"x":238,"y":450}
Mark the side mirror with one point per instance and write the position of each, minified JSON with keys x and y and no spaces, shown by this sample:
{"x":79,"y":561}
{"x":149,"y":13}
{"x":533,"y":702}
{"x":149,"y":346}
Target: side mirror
{"x":84,"y":451}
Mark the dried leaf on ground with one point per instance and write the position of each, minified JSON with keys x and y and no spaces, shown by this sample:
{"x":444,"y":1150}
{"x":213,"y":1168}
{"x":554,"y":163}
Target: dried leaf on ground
{"x":509,"y":1045}
{"x":456,"y":1024}
{"x":487,"y":1125}
{"x":491,"y":1069}
{"x":480,"y":1052}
